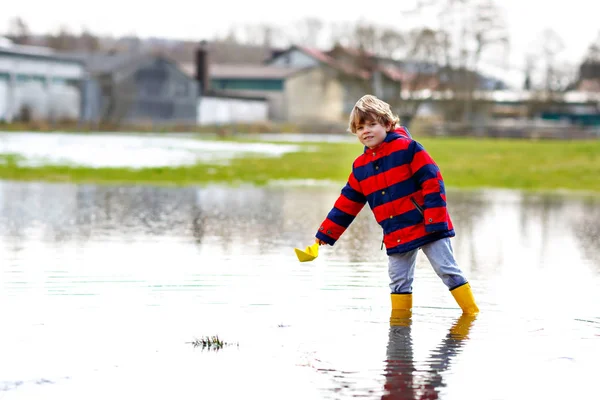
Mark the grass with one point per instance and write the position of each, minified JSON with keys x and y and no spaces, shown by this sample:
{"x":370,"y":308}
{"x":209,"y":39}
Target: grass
{"x":518,"y":164}
{"x":465,"y":163}
{"x":209,"y":343}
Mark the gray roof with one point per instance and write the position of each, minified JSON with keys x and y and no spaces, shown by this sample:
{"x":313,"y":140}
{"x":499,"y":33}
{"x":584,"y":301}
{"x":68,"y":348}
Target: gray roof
{"x":101,"y":63}
{"x":7,"y":47}
{"x":252,"y":71}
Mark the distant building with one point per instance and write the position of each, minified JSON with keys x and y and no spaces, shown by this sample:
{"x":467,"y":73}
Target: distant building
{"x":223,"y":109}
{"x":232,"y":94}
{"x":137,"y":88}
{"x":38,"y":84}
{"x":307,"y":85}
{"x":254,"y":80}
{"x":324,"y":89}
{"x":301,"y":84}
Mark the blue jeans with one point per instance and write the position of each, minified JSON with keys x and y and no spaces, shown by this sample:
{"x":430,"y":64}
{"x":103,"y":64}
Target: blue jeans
{"x":441,"y":257}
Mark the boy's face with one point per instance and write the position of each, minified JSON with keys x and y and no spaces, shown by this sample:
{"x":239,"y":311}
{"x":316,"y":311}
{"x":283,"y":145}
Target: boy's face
{"x":371,"y":133}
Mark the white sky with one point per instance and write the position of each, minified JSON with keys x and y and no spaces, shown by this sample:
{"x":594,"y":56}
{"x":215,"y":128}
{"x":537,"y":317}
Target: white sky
{"x":575,"y":21}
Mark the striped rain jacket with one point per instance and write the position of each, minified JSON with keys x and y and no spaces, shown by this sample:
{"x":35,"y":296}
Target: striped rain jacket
{"x":405,"y":190}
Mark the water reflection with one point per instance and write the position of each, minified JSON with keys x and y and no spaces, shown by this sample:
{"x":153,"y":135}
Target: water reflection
{"x":288,"y":216}
{"x":405,"y":379}
{"x":586,"y":225}
{"x":496,"y":230}
{"x":80,"y":262}
{"x":64,"y":213}
{"x":467,"y":209}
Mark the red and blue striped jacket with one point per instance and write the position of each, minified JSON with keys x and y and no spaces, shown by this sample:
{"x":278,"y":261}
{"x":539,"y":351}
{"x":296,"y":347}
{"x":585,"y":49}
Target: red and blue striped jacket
{"x":405,"y":190}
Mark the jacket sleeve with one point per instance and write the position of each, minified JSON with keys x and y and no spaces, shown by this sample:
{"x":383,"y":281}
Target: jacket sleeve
{"x":345,"y":209}
{"x":429,"y":179}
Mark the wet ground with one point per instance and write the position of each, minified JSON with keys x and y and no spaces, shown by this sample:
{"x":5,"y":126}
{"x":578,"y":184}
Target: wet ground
{"x":103,"y":289}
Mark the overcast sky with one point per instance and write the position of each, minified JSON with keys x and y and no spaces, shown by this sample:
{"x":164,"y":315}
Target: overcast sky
{"x":575,"y":21}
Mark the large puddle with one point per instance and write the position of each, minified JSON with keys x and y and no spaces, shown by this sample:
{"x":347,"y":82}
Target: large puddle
{"x":131,"y":151}
{"x":103,"y":288}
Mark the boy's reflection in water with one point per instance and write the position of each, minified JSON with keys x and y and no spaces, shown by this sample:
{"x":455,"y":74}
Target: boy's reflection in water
{"x":403,"y":381}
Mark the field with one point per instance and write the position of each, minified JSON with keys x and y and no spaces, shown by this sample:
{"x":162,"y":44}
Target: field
{"x":465,"y":163}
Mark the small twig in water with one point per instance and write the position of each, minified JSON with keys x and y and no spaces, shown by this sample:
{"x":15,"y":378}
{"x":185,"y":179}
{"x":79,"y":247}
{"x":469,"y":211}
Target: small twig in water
{"x":209,"y":343}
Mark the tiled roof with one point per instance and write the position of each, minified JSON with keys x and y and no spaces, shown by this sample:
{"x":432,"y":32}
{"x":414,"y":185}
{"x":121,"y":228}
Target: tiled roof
{"x":352,"y":51}
{"x":395,"y":73}
{"x":332,"y":62}
{"x":589,"y":85}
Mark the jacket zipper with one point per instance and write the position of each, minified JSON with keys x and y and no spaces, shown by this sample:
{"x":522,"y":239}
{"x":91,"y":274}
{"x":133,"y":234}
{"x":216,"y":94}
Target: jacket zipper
{"x":419,"y":208}
{"x":417,"y":205}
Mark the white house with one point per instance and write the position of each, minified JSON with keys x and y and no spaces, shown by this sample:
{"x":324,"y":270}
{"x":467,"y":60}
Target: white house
{"x":39,"y":83}
{"x":220,"y":109}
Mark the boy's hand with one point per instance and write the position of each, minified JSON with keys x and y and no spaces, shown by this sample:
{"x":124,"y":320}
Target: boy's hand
{"x":321,"y":243}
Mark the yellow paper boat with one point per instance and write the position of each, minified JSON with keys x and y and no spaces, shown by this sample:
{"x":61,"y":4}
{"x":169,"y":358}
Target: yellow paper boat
{"x":309,"y":254}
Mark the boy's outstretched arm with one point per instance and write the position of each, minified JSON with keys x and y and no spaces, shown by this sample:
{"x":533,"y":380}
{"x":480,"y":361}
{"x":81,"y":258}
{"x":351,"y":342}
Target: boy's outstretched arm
{"x":429,"y":178}
{"x":345,"y":209}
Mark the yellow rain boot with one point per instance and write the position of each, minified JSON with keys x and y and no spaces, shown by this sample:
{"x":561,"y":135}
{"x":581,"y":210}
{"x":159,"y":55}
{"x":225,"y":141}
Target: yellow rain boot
{"x":464,"y":298}
{"x":401,"y":309}
{"x":460,"y":329}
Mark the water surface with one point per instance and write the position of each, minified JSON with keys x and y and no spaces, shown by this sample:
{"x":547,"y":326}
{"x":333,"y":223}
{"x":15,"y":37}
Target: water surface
{"x":98,"y":150}
{"x":102,"y":289}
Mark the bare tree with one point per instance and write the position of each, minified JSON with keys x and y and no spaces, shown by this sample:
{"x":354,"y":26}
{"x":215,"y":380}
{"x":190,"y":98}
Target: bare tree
{"x":265,"y":35}
{"x":424,"y":58}
{"x":488,"y":31}
{"x":552,"y":45}
{"x":230,"y":37}
{"x":89,"y":42}
{"x":553,"y":75}
{"x":468,"y":29}
{"x":589,"y":70}
{"x":309,"y":32}
{"x":341,"y":33}
{"x":367,"y":38}
{"x":565,"y":76}
{"x":593,"y":53}
{"x":64,"y":40}
{"x":529,"y":71}
{"x":392,"y":42}
{"x":242,"y":45}
{"x":18,"y":31}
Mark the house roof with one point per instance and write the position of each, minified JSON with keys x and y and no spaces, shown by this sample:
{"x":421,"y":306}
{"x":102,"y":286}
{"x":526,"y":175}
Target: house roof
{"x":238,"y":71}
{"x":589,"y":85}
{"x":107,"y":63}
{"x":351,"y":51}
{"x":101,"y":63}
{"x":326,"y":59}
{"x":332,"y":62}
{"x":11,"y":49}
{"x":393,"y":72}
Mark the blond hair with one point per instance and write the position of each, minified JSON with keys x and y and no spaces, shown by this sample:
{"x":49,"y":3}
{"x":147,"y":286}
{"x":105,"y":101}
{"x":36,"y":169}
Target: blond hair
{"x":370,"y":108}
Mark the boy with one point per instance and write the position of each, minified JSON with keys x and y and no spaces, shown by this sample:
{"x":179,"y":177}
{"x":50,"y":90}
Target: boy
{"x":405,"y":191}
